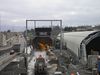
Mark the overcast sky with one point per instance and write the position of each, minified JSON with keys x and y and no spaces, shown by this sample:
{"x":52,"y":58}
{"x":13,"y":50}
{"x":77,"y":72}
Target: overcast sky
{"x":72,"y":12}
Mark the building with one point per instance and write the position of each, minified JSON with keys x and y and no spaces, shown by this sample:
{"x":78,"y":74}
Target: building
{"x":2,"y":39}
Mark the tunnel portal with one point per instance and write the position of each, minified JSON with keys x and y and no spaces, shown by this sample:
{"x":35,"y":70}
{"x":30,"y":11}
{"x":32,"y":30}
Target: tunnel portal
{"x":93,"y":47}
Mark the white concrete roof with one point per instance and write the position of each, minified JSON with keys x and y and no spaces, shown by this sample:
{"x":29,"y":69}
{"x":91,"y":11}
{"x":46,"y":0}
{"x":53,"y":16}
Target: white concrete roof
{"x":74,"y":39}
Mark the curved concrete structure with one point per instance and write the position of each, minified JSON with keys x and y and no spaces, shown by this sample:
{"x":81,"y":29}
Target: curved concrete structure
{"x":83,"y":43}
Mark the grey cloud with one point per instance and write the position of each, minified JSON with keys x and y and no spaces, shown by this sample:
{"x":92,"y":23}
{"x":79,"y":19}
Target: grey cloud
{"x":70,"y":11}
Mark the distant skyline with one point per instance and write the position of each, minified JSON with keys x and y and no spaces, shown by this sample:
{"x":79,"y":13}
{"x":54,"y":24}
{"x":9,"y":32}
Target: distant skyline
{"x":72,"y":12}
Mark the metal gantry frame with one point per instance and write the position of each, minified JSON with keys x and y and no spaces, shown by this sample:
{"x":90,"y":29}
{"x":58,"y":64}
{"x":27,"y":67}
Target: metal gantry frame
{"x":60,"y":24}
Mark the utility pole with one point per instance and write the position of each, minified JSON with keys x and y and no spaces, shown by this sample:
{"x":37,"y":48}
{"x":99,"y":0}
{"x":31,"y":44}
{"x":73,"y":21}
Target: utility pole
{"x":0,"y":22}
{"x":61,"y":37}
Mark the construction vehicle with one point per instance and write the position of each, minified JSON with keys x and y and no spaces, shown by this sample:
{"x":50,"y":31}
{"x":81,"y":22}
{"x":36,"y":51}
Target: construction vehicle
{"x":40,"y":66}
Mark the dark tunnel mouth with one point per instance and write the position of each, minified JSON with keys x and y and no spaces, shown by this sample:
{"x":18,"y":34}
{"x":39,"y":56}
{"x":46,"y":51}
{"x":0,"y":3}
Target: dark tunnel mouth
{"x":93,"y":47}
{"x":36,"y":40}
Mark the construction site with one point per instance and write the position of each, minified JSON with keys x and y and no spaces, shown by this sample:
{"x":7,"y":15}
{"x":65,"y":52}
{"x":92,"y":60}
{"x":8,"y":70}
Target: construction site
{"x":47,"y":51}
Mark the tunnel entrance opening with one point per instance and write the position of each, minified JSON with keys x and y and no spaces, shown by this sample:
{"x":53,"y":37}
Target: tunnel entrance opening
{"x":93,"y":47}
{"x":42,"y":42}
